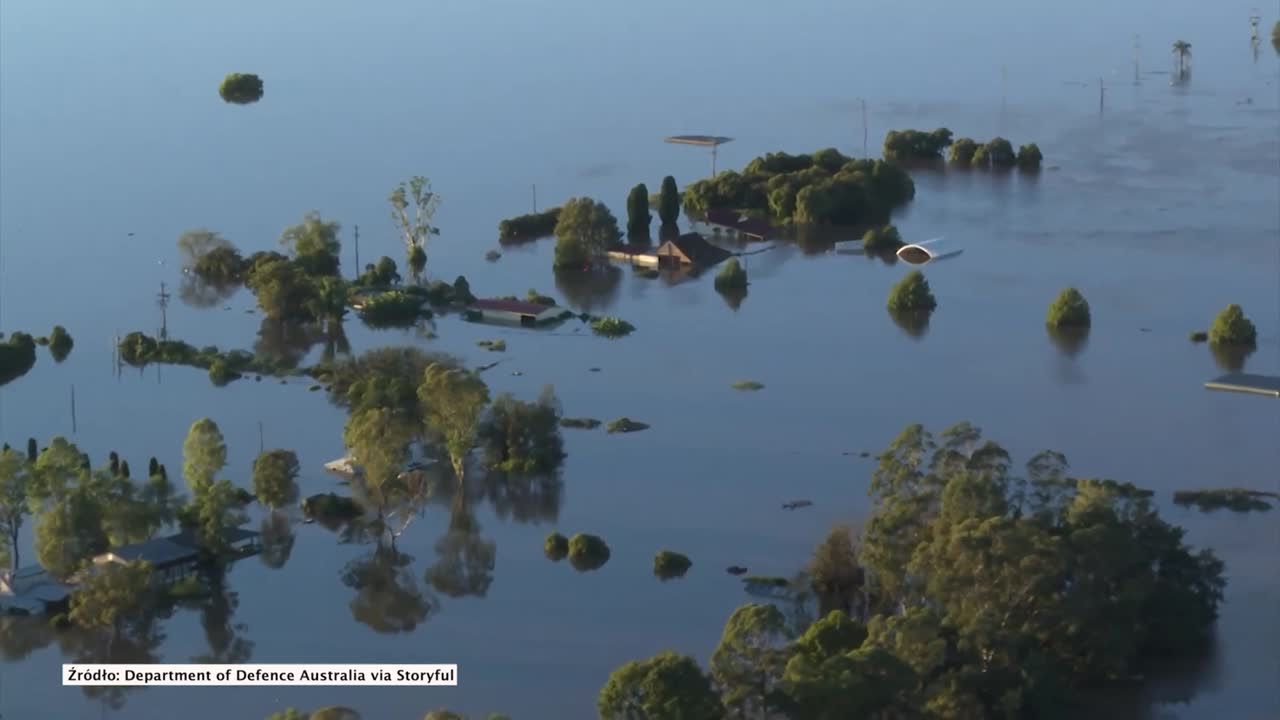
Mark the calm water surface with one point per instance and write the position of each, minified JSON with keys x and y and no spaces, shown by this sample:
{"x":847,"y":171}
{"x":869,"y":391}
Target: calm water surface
{"x":1162,"y":209}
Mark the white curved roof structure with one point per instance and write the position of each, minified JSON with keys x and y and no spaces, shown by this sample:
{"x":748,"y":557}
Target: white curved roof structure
{"x":928,"y":251}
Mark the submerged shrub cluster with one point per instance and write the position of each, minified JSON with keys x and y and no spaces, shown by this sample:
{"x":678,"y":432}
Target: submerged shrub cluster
{"x":533,"y":225}
{"x":139,"y":349}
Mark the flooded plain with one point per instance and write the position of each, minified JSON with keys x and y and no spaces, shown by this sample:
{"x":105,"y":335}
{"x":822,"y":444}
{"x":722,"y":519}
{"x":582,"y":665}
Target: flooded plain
{"x":1162,"y":208}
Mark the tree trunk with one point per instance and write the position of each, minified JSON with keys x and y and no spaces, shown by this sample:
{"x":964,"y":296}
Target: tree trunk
{"x":13,"y":543}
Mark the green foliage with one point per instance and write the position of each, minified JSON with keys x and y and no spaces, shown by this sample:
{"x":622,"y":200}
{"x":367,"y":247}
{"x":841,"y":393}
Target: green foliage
{"x":1001,"y":153}
{"x":241,"y":88}
{"x":556,"y":547}
{"x":382,"y":378}
{"x":731,"y":277}
{"x":60,"y":343}
{"x":1199,"y":336}
{"x":454,"y":400}
{"x":16,"y":477}
{"x":584,"y":231}
{"x":748,"y":663}
{"x":523,"y":437}
{"x":462,"y":291}
{"x":903,"y":145}
{"x":638,"y":217}
{"x":331,"y":507}
{"x":221,"y":266}
{"x":962,"y":151}
{"x":111,"y":595}
{"x":668,"y":565}
{"x":747,"y":385}
{"x":771,"y":581}
{"x":314,"y":244}
{"x":612,"y":327}
{"x":981,"y":157}
{"x":1029,"y":157}
{"x":1231,"y":327}
{"x":285,"y":290}
{"x":665,"y":687}
{"x":835,"y":576}
{"x":17,"y":356}
{"x":204,"y":454}
{"x":580,"y":423}
{"x":1234,"y":499}
{"x":415,"y":229}
{"x":393,"y":308}
{"x":1069,"y":309}
{"x":493,"y":345}
{"x":1022,"y":586}
{"x":625,"y":425}
{"x":841,"y":190}
{"x":139,"y":349}
{"x":669,"y":201}
{"x":884,"y":238}
{"x":912,"y":293}
{"x":335,"y":712}
{"x":587,"y":552}
{"x":288,"y":714}
{"x":380,"y":275}
{"x":534,"y":225}
{"x":275,"y":478}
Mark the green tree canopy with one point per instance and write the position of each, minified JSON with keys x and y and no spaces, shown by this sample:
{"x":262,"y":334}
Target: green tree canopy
{"x":60,"y":343}
{"x":1232,"y":327}
{"x":521,"y":436}
{"x":314,"y":242}
{"x":584,"y":231}
{"x":731,"y":277}
{"x":912,"y":294}
{"x":665,"y":687}
{"x":241,"y":88}
{"x":748,"y":663}
{"x":16,"y":473}
{"x":1069,"y":309}
{"x":275,"y":478}
{"x":454,"y":400}
{"x":111,"y":595}
{"x":1030,"y":157}
{"x":638,"y":217}
{"x":416,"y":228}
{"x":669,"y":201}
{"x":204,"y":454}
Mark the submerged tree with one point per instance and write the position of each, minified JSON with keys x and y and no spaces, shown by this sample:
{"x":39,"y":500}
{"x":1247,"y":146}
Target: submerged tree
{"x":15,"y":485}
{"x":1069,"y":309}
{"x":454,"y":400}
{"x":1181,"y":51}
{"x":523,"y":437}
{"x":584,"y":232}
{"x":669,"y":202}
{"x":241,"y":88}
{"x":638,"y":217}
{"x":666,"y":686}
{"x":912,"y":293}
{"x":1232,"y":327}
{"x":275,"y":478}
{"x":417,"y":229}
{"x":314,"y":244}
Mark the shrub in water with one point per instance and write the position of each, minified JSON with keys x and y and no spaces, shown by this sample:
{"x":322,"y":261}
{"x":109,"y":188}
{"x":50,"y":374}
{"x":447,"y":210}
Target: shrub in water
{"x":556,"y":547}
{"x":612,"y":327}
{"x":912,"y":293}
{"x":1069,"y":309}
{"x":668,"y":565}
{"x":587,"y":552}
{"x":882,"y":239}
{"x":1231,"y":327}
{"x":241,"y":88}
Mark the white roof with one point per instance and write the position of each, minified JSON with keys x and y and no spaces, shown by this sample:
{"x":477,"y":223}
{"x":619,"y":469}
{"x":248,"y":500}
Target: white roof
{"x":928,"y":250}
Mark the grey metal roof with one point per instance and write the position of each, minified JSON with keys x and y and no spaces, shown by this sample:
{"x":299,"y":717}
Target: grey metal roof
{"x":160,"y":552}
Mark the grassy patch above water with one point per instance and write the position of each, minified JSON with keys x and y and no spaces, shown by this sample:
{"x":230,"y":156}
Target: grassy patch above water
{"x":625,"y":425}
{"x":747,"y":385}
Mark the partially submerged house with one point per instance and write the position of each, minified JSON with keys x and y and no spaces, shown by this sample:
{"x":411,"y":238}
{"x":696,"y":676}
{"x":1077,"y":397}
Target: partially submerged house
{"x":928,"y":251}
{"x":31,"y":590}
{"x":519,"y":312}
{"x":641,"y":254}
{"x":733,"y":224}
{"x":178,"y":555}
{"x":690,"y":249}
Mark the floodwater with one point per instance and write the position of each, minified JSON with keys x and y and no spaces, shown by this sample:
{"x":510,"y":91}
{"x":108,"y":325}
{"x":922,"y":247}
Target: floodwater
{"x":1162,"y":209}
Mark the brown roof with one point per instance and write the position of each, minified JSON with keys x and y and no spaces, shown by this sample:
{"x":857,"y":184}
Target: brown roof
{"x":515,"y":306}
{"x":739,"y":222}
{"x":697,"y":249}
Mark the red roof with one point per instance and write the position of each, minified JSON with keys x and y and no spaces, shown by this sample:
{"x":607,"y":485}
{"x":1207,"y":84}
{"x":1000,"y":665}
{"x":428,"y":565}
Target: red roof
{"x":515,"y":306}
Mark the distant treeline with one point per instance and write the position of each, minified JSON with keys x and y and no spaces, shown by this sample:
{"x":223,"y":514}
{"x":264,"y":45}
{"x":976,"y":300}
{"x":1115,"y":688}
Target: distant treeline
{"x":921,"y":146}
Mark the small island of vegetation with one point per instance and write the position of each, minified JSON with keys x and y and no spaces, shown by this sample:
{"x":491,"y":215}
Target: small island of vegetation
{"x":241,"y":88}
{"x":612,"y":327}
{"x":823,"y":188}
{"x":587,"y":552}
{"x":556,"y":547}
{"x":528,"y":227}
{"x":1232,"y":328}
{"x":912,"y":294}
{"x":17,"y":356}
{"x":1069,"y":310}
{"x":668,"y":565}
{"x":585,"y":229}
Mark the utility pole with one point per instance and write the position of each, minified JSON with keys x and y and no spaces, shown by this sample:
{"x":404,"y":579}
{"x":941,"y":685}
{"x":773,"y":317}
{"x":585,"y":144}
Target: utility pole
{"x":357,"y":228}
{"x":714,"y":148}
{"x":1102,"y":93}
{"x":864,"y":127}
{"x":1137,"y":59}
{"x":162,"y":299}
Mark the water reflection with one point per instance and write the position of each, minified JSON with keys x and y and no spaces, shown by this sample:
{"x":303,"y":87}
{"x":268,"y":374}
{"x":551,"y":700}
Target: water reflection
{"x":277,"y":540}
{"x":733,"y":297}
{"x":225,"y":638}
{"x":533,"y":499}
{"x":915,"y":323}
{"x":590,"y":290}
{"x":388,"y":599}
{"x":1070,"y":341}
{"x":465,"y":560}
{"x":286,"y":343}
{"x":1231,"y":357}
{"x":198,"y":293}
